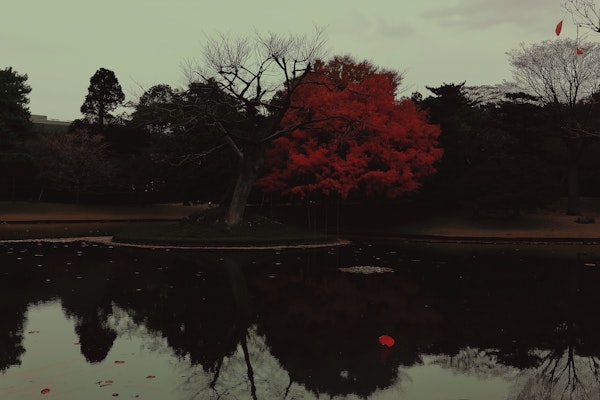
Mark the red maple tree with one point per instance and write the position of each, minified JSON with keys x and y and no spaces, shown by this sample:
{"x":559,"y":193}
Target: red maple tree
{"x":361,"y":138}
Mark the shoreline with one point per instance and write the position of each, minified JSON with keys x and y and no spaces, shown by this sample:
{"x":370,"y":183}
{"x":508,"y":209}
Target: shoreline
{"x":342,"y":241}
{"x":107,"y":241}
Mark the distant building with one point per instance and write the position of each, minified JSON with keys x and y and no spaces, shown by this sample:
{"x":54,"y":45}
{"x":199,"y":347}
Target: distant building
{"x":41,"y":124}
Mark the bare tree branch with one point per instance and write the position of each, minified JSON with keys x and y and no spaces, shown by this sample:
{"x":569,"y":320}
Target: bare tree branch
{"x":585,"y":13}
{"x":555,"y":72}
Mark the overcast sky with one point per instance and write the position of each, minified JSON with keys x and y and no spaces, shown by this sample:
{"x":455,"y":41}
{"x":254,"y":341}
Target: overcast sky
{"x":60,"y":44}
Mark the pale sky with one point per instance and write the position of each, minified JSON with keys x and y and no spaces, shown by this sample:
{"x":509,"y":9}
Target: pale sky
{"x":60,"y":44}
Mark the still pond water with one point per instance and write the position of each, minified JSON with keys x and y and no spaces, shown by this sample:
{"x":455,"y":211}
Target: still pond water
{"x":89,"y":321}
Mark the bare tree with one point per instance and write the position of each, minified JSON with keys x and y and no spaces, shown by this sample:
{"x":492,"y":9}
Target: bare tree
{"x":260,"y":73}
{"x":565,"y":76}
{"x":76,"y":162}
{"x":585,"y":13}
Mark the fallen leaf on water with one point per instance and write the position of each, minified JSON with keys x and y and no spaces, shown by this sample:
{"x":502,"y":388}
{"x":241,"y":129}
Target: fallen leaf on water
{"x":366,"y":269}
{"x":45,"y":391}
{"x":115,"y":394}
{"x":386,"y":340}
{"x":119,"y":362}
{"x":150,"y":377}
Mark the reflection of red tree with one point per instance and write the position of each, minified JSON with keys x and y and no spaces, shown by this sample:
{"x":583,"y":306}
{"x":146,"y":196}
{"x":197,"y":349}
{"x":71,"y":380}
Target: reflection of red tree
{"x":323,"y":327}
{"x":362,"y":138}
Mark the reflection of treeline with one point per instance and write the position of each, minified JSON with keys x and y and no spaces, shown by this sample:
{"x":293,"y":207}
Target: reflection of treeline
{"x":321,"y":324}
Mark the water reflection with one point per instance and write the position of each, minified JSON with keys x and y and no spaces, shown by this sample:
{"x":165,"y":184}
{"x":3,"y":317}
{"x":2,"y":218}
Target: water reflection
{"x":291,"y":324}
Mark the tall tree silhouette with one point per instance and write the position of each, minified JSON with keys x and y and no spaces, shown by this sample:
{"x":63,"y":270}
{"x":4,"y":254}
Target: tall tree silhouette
{"x":15,"y":163}
{"x":104,"y":95}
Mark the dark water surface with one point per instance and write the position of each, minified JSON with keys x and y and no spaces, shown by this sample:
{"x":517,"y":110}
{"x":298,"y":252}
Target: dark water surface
{"x":89,"y":321}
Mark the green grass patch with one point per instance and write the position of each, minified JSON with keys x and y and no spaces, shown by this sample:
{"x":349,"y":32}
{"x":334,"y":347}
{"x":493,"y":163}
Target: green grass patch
{"x":196,"y":231}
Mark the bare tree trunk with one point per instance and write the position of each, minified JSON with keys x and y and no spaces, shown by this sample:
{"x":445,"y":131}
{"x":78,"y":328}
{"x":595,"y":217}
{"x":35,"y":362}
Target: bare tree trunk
{"x":573,"y":204}
{"x":13,"y":188}
{"x":249,"y":368}
{"x":249,"y":168}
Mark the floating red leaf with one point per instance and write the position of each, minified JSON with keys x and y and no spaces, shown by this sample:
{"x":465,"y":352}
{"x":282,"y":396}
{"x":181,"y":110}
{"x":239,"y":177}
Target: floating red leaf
{"x":119,"y":362}
{"x":45,"y":391}
{"x":115,"y":394}
{"x":386,"y":340}
{"x":579,"y":51}
{"x":150,"y":377}
{"x":558,"y":28}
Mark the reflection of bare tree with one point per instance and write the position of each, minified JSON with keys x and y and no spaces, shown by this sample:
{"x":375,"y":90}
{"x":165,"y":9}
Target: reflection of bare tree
{"x":561,"y":372}
{"x":477,"y":362}
{"x":562,"y":375}
{"x":250,"y":372}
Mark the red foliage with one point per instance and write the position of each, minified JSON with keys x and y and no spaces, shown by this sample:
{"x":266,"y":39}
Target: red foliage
{"x":386,"y":340}
{"x":360,"y":139}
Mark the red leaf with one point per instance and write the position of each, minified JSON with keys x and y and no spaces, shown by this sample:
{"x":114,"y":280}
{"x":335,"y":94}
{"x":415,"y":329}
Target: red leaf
{"x":45,"y":391}
{"x":558,"y":28}
{"x":579,"y":51}
{"x":119,"y":362}
{"x":115,"y":394}
{"x":150,"y":377}
{"x":386,"y":340}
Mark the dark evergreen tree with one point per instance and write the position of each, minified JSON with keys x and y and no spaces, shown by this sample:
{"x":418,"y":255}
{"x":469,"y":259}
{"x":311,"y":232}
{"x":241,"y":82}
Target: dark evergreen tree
{"x":15,"y":163}
{"x":14,"y":114}
{"x":179,"y":126}
{"x":455,"y":113}
{"x":104,"y":95}
{"x":496,"y":152}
